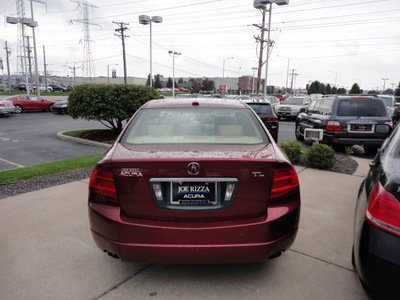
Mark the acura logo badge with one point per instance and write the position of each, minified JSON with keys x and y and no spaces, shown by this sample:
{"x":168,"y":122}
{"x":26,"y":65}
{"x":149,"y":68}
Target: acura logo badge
{"x":193,"y":168}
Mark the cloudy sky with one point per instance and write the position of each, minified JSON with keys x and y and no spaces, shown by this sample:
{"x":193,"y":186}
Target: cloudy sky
{"x":333,"y":41}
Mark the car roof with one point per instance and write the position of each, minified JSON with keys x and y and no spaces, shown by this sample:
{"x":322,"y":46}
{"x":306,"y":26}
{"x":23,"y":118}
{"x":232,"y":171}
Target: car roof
{"x":191,"y":102}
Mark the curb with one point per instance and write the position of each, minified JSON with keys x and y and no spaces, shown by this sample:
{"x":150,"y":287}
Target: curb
{"x":61,"y":136}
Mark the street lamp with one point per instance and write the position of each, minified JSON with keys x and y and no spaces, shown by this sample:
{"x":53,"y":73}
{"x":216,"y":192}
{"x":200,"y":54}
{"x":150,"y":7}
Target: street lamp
{"x":384,"y":84}
{"x":108,"y":72}
{"x":262,"y":4}
{"x":252,"y":85}
{"x":223,"y":66}
{"x":23,"y":22}
{"x":144,"y":20}
{"x":173,"y":54}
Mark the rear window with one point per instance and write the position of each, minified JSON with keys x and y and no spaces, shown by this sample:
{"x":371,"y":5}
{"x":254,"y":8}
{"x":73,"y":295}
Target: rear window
{"x":195,"y":126}
{"x":261,"y":108}
{"x":293,"y":101}
{"x":361,"y":107}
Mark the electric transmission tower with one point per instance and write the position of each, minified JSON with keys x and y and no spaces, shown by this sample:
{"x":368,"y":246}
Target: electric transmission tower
{"x":21,"y":57}
{"x":87,"y":63}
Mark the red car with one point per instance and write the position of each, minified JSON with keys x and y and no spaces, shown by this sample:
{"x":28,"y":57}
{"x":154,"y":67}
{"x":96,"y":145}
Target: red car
{"x":30,"y":102}
{"x":198,"y":181}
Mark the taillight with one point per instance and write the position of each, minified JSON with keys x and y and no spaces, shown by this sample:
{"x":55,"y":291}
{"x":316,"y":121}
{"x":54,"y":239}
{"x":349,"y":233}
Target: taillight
{"x":390,"y":123}
{"x":285,"y":180}
{"x":1,"y":104}
{"x":102,"y":184}
{"x":333,"y":126}
{"x":384,"y":210}
{"x":272,"y":119}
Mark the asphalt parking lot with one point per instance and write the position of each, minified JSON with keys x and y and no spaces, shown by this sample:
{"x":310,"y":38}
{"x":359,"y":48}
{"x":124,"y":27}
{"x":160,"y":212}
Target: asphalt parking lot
{"x":48,"y":252}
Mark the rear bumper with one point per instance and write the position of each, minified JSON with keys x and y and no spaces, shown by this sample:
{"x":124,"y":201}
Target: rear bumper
{"x":239,"y":241}
{"x":7,"y":110}
{"x":378,"y":261}
{"x":330,"y":139}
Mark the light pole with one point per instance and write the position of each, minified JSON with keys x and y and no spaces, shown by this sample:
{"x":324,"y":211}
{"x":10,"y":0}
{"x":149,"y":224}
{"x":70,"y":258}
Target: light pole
{"x":173,"y":54}
{"x":384,"y":84}
{"x":30,"y":23}
{"x":223,"y":66}
{"x":287,"y":71}
{"x":144,"y":20}
{"x":108,"y":72}
{"x":252,"y":85}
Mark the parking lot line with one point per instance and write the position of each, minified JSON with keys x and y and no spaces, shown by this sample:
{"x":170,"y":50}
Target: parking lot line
{"x":11,"y":163}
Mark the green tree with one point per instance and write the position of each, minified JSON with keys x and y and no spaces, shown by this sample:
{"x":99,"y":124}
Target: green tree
{"x":109,"y":104}
{"x":355,"y":89}
{"x":341,"y":91}
{"x":169,"y":83}
{"x":208,"y":85}
{"x":196,"y":84}
{"x":148,"y":80}
{"x":316,"y":87}
{"x":328,"y":89}
{"x":334,"y":90}
{"x":397,"y":92}
{"x":157,"y":81}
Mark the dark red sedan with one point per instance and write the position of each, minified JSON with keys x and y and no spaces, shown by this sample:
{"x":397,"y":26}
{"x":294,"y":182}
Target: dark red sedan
{"x":30,"y":102}
{"x":194,"y":181}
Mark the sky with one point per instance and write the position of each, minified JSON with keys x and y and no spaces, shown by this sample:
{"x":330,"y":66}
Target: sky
{"x":340,"y":42}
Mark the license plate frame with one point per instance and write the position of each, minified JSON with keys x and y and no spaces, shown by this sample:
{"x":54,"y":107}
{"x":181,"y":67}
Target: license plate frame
{"x":194,"y":193}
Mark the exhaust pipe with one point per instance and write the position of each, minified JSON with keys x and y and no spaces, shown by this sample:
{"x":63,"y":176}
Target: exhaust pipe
{"x":276,"y":254}
{"x":112,"y":254}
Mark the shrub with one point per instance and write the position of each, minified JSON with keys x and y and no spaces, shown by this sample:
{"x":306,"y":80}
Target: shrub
{"x":110,"y":104}
{"x":292,"y":150}
{"x":321,"y":156}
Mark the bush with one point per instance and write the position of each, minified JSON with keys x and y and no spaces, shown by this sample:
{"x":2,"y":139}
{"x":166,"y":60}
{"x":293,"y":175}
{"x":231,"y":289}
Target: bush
{"x":292,"y":150}
{"x":321,"y":156}
{"x":110,"y":104}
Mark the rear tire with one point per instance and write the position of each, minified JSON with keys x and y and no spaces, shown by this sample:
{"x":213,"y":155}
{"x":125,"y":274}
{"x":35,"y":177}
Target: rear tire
{"x":51,"y":108}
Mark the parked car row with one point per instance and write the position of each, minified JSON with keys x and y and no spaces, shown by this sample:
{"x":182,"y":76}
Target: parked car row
{"x":42,"y":87}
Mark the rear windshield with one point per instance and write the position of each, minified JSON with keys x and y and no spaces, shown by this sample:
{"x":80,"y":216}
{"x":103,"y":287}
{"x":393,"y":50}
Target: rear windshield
{"x":261,"y":108}
{"x":361,"y":107}
{"x":293,"y":101}
{"x":195,"y":126}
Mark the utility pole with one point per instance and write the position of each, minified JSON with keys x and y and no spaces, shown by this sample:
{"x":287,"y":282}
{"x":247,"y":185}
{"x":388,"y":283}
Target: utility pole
{"x":29,"y":62}
{"x":74,"y":71}
{"x":260,"y":56}
{"x":45,"y":68}
{"x":291,"y":84}
{"x":121,"y":34}
{"x":8,"y":53}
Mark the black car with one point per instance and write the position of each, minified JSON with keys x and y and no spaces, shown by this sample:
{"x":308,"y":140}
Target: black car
{"x":376,"y":248}
{"x":58,"y":88}
{"x":60,"y":107}
{"x":346,"y":121}
{"x":267,"y":115}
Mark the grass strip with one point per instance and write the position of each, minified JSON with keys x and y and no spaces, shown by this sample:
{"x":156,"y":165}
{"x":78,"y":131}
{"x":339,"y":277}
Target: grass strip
{"x":49,"y":169}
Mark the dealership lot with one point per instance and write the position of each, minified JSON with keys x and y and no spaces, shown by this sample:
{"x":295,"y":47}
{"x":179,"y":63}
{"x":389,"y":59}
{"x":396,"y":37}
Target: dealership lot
{"x":48,"y":252}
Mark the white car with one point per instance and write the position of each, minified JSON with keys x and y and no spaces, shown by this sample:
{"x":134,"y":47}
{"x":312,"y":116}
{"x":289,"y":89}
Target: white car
{"x":290,"y":107}
{"x":6,"y":107}
{"x":42,"y":88}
